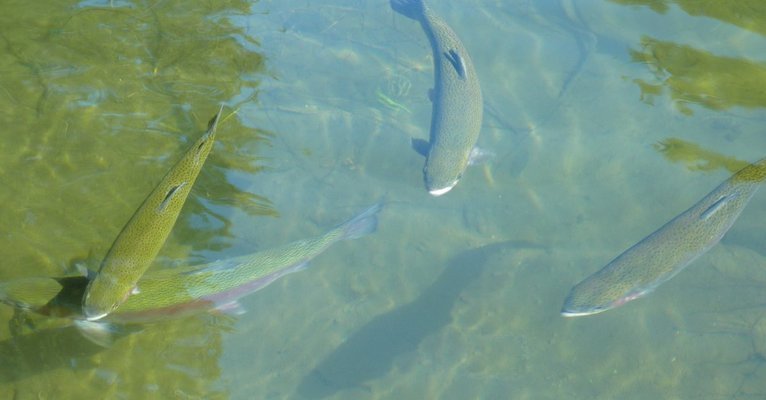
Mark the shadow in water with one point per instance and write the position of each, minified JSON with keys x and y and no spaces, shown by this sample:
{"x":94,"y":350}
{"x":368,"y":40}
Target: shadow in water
{"x":24,"y":356}
{"x":370,"y":352}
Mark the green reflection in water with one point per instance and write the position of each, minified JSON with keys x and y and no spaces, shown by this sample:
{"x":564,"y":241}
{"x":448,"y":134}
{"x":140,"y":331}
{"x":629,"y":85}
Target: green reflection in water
{"x":747,"y":14}
{"x":96,"y":103}
{"x":697,"y":158}
{"x":697,"y":76}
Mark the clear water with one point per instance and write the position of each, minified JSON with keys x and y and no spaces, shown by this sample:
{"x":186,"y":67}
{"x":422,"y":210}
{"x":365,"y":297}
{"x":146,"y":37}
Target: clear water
{"x":607,"y":118}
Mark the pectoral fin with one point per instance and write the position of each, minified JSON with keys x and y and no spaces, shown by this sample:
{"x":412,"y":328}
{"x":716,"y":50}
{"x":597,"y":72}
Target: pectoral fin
{"x":231,"y":308}
{"x":717,"y":205}
{"x":421,"y":146}
{"x":103,"y":333}
{"x":479,"y":156}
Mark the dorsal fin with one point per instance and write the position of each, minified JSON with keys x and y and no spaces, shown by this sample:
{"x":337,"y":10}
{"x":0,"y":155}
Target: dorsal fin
{"x":457,"y":63}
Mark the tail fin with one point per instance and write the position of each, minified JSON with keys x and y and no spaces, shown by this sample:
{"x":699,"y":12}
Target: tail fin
{"x":414,"y":9}
{"x":363,"y":224}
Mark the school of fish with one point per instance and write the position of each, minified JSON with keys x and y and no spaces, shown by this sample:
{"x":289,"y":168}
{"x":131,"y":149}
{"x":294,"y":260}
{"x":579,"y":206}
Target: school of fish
{"x":125,"y":289}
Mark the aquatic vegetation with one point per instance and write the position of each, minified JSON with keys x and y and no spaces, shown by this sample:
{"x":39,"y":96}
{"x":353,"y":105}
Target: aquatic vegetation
{"x":696,"y":158}
{"x":747,"y":14}
{"x":396,"y":87}
{"x":390,"y":103}
{"x":694,"y":76}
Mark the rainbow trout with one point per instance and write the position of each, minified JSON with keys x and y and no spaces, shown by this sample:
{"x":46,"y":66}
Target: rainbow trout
{"x":181,"y":291}
{"x":667,"y":251}
{"x":457,"y":102}
{"x":137,"y":245}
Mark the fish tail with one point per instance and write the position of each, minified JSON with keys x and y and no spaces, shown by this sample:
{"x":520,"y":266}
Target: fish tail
{"x":414,"y":9}
{"x":361,"y":225}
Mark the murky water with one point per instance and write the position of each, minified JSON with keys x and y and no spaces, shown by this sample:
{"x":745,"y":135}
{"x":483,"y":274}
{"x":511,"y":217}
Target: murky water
{"x":606,"y":118}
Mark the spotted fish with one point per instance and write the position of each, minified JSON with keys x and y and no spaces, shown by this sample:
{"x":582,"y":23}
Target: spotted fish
{"x":137,"y":245}
{"x":457,"y":102}
{"x":667,"y":251}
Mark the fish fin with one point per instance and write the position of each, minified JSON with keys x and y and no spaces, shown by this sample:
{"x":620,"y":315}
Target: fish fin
{"x":217,"y":265}
{"x":479,"y":156}
{"x":300,"y":267}
{"x":457,"y":62}
{"x":414,"y":9}
{"x":169,"y":196}
{"x":100,"y":333}
{"x":231,"y":308}
{"x":104,"y":333}
{"x":717,"y":205}
{"x":83,"y":270}
{"x":421,"y":146}
{"x":79,"y":266}
{"x":364,"y":223}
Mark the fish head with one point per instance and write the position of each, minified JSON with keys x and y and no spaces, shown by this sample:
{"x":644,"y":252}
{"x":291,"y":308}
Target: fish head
{"x":99,"y":300}
{"x":573,"y":310}
{"x":441,"y":174}
{"x":582,"y":302}
{"x":438,"y":191}
{"x":595,"y":295}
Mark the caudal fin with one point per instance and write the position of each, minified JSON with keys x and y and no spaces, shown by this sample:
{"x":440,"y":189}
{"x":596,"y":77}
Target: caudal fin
{"x":414,"y":9}
{"x":363,"y":224}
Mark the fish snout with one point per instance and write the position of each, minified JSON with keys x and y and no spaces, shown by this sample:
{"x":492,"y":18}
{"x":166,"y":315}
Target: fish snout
{"x":438,"y":191}
{"x":92,"y":314}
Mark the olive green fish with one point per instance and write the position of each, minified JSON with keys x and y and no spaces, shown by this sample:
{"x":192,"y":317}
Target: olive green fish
{"x":137,"y":245}
{"x":457,"y":102}
{"x":181,"y":291}
{"x":667,"y":251}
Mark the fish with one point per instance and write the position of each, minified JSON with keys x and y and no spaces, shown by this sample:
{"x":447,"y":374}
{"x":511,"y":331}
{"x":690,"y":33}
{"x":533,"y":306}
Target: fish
{"x":137,"y":245}
{"x":456,"y":98}
{"x":667,"y":251}
{"x":176,"y":292}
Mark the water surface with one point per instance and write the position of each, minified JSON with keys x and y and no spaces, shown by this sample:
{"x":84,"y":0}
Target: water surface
{"x":454,"y":297}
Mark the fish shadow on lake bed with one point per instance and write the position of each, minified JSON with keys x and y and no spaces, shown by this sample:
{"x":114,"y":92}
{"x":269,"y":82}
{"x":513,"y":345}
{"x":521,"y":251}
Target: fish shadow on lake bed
{"x":42,"y":351}
{"x":370,"y":352}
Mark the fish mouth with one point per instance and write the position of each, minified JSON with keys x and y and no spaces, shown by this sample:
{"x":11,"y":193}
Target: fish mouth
{"x":580,"y":313}
{"x":92,"y":315}
{"x":441,"y":191}
{"x":571,"y":314}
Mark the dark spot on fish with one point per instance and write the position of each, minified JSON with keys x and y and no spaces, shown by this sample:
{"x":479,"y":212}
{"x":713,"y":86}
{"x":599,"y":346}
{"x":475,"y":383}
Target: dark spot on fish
{"x":457,"y":63}
{"x":169,"y":196}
